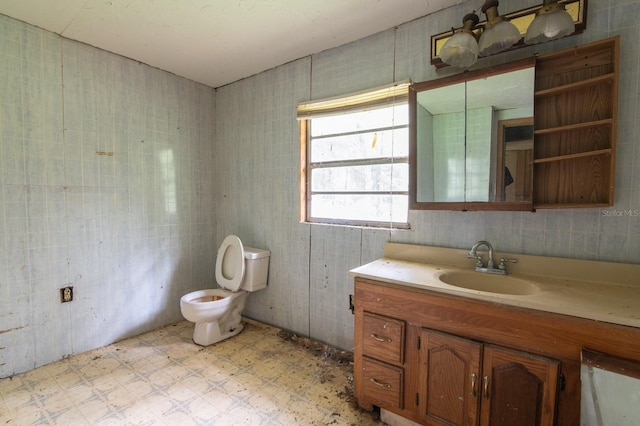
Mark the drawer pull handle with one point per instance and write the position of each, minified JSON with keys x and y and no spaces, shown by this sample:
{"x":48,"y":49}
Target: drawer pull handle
{"x":381,"y":339}
{"x":485,"y":381}
{"x":382,"y":385}
{"x":474,"y":393}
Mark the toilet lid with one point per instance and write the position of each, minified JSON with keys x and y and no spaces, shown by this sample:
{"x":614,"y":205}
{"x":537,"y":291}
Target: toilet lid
{"x":230,"y":263}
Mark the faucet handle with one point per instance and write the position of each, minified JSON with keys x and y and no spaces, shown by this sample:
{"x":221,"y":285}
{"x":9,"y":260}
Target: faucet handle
{"x":478,"y":259}
{"x":503,"y":261}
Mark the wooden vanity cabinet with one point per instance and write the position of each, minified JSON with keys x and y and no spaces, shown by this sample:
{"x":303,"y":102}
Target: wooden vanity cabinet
{"x":465,"y":381}
{"x":517,"y":388}
{"x":383,"y":359}
{"x":427,"y":356}
{"x":450,"y":378}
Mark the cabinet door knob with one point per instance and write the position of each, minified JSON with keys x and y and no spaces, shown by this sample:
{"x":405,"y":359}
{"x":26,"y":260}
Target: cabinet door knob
{"x":382,"y":385}
{"x":381,"y":339}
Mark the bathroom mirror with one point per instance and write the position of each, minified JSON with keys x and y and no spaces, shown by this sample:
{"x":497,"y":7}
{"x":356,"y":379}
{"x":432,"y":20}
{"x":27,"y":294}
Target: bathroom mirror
{"x":471,"y":140}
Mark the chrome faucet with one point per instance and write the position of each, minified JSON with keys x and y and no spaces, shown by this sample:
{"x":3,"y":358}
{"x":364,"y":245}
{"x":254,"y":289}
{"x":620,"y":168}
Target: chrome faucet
{"x":489,"y":269}
{"x":473,"y":255}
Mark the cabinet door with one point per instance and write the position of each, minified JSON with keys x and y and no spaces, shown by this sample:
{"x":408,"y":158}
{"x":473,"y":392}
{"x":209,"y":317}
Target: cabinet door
{"x":450,"y":375}
{"x":517,"y":388}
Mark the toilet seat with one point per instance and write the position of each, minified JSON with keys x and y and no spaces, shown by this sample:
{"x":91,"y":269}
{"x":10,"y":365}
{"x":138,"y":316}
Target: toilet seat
{"x":230,"y":263}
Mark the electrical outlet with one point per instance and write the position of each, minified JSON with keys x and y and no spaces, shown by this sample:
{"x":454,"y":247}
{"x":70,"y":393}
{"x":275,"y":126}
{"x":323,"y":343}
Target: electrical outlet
{"x":66,"y":294}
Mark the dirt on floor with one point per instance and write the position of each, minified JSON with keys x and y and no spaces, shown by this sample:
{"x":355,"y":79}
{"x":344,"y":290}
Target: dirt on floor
{"x":330,"y":358}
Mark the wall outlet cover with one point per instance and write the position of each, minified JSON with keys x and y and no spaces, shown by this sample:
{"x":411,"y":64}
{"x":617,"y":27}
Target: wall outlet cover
{"x":66,"y":294}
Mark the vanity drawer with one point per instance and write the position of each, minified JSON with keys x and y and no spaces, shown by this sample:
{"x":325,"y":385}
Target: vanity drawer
{"x":383,"y":383}
{"x":383,"y":338}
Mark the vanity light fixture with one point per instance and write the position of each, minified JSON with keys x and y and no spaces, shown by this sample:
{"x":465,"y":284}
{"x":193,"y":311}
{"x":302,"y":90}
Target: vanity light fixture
{"x":498,"y":33}
{"x":552,"y":22}
{"x":461,"y":50}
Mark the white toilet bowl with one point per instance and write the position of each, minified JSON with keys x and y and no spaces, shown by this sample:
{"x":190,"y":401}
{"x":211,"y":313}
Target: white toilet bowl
{"x":217,"y":313}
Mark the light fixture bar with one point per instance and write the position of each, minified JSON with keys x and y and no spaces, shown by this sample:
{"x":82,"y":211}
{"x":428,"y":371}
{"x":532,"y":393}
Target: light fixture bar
{"x":521,"y":19}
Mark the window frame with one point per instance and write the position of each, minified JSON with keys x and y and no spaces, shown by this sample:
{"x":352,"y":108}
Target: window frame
{"x":307,"y":167}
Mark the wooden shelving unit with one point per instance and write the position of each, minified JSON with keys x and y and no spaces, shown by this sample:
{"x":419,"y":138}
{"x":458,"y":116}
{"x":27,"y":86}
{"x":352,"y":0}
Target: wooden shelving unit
{"x":576,"y":97}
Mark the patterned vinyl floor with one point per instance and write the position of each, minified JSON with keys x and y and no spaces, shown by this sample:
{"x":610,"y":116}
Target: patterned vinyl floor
{"x":163,"y":378}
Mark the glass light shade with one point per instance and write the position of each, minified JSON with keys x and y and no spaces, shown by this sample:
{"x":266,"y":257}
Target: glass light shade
{"x":500,"y":36}
{"x":460,"y":51}
{"x":551,"y":25}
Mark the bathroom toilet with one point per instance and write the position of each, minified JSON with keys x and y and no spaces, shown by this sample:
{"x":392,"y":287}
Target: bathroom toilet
{"x":217,"y":312}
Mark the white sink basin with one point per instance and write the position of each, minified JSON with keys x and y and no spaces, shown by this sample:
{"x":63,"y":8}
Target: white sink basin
{"x":491,"y":283}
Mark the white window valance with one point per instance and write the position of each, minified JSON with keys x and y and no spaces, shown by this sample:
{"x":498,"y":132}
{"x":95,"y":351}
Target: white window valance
{"x":373,"y":98}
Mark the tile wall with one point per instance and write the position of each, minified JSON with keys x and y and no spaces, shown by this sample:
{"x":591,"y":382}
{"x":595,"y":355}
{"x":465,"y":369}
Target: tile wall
{"x":106,"y":186}
{"x":449,"y":157}
{"x":131,"y":201}
{"x":478,"y":154}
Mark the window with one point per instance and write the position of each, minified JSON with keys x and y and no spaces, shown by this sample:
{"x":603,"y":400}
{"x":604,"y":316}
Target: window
{"x":355,"y":154}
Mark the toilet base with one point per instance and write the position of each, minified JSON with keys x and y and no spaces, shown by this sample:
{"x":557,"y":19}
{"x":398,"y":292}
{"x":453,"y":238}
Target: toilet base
{"x":208,"y":333}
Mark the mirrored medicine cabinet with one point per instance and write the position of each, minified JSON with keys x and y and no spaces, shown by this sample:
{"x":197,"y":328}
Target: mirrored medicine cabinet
{"x":536,"y":133}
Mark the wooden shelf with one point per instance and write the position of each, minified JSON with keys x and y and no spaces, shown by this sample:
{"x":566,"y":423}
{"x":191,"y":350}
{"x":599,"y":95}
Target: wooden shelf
{"x":572,"y":156}
{"x":577,"y":126}
{"x":569,"y":205}
{"x":606,"y":78}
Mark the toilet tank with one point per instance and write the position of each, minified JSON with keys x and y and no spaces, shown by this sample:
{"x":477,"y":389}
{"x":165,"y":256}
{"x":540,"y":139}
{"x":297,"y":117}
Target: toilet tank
{"x":256,"y":269}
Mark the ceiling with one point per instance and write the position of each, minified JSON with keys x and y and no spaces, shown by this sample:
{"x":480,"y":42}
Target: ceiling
{"x":216,"y":42}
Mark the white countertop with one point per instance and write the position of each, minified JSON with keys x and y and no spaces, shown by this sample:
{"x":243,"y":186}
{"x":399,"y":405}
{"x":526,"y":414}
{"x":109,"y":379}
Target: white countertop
{"x":584,"y":292}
